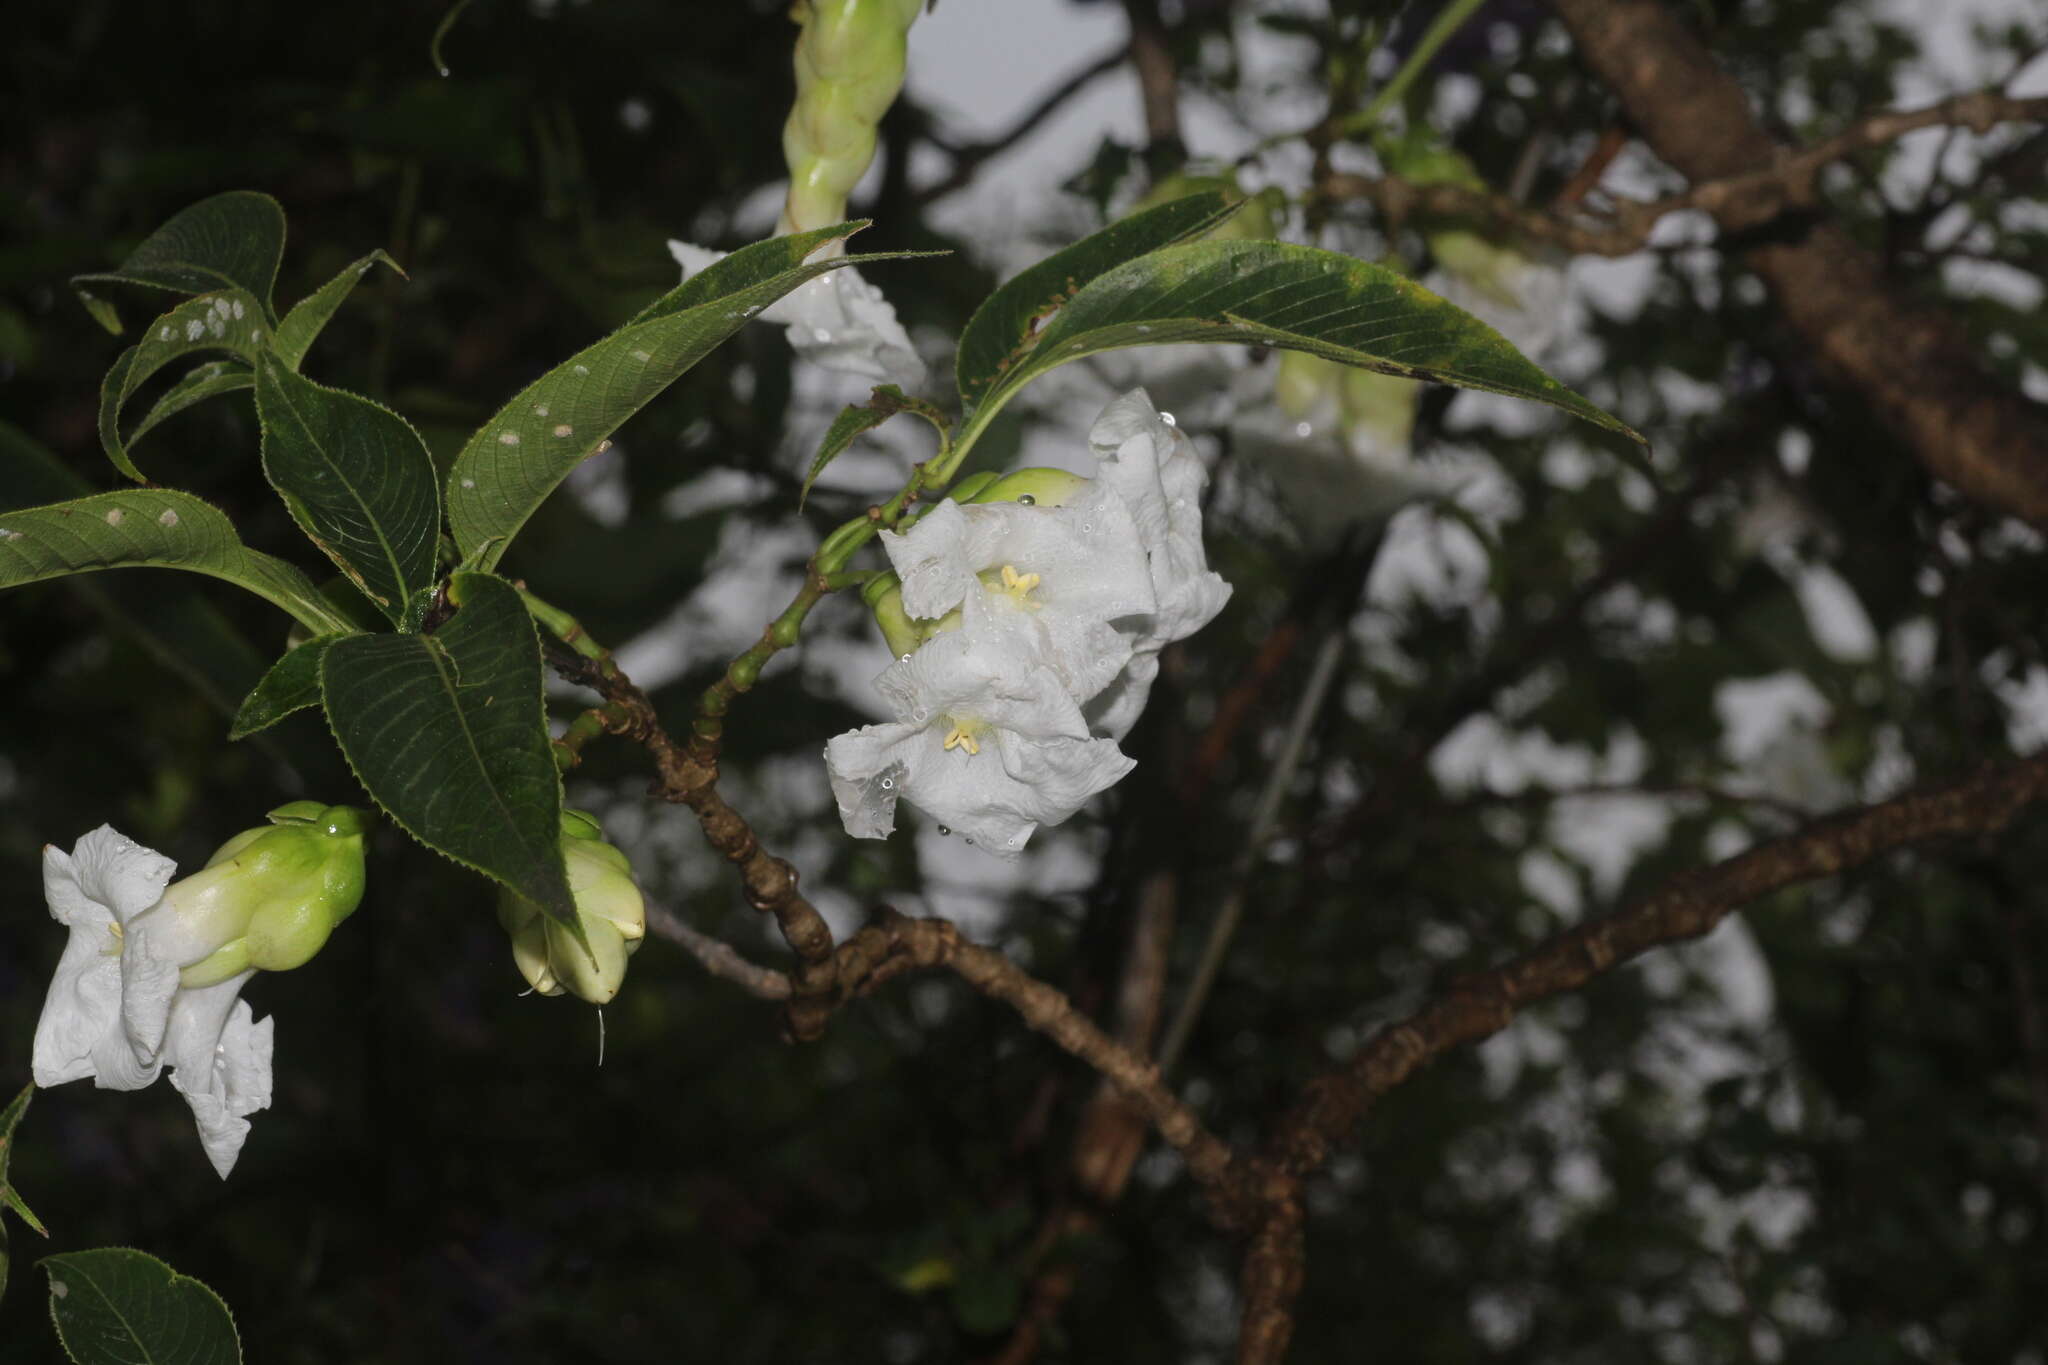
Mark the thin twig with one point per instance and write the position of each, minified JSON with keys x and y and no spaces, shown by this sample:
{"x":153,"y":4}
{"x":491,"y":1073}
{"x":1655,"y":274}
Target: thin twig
{"x":717,"y":956}
{"x":1264,"y":817}
{"x":1739,"y":202}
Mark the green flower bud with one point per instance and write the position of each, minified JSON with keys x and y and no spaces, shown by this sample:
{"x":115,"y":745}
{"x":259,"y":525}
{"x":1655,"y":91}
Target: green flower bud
{"x":884,"y":595}
{"x":849,"y":65}
{"x":1045,"y":487}
{"x":269,"y":897}
{"x":609,"y":904}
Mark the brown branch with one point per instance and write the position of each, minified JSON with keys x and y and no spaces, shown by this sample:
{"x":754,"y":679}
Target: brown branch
{"x":1911,"y":362}
{"x":1686,"y":907}
{"x":1747,"y":200}
{"x":1481,"y":1005}
{"x":1158,"y":87}
{"x":718,"y":957}
{"x":896,"y":943}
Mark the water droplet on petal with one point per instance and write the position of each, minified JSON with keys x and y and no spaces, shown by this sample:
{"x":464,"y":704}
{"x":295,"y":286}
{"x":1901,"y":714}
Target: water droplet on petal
{"x":970,"y":843}
{"x":1167,"y":418}
{"x":944,"y":831}
{"x":821,"y":335}
{"x":1087,"y":528}
{"x":1303,"y":429}
{"x":888,"y":784}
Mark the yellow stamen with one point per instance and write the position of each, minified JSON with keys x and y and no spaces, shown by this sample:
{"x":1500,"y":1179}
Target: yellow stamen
{"x":961,"y":736}
{"x":1018,"y":583}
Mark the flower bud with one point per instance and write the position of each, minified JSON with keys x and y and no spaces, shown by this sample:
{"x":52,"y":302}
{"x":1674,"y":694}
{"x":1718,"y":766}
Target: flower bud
{"x":1041,"y":486}
{"x":609,"y":905}
{"x":267,"y":899}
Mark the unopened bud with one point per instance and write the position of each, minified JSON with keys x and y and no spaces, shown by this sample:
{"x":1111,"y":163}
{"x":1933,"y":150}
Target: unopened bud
{"x":267,"y":899}
{"x":609,"y":905}
{"x":1041,"y":486}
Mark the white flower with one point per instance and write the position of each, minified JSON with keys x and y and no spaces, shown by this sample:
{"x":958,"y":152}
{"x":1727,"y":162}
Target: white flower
{"x":115,"y":1010}
{"x":987,"y":739}
{"x":1154,"y":468}
{"x":1076,"y":571}
{"x":837,"y":321}
{"x":105,"y":881}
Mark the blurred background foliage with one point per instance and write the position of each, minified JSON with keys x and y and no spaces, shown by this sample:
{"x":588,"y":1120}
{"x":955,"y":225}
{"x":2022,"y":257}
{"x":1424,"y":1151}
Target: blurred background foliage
{"x":1818,"y":1136}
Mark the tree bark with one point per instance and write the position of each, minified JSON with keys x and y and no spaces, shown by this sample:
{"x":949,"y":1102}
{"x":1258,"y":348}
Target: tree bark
{"x":1913,"y":364}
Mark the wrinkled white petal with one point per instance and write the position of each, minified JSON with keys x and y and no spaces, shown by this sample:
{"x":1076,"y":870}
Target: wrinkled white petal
{"x":220,"y":1062}
{"x":1093,"y":576}
{"x":1115,"y":709}
{"x":1036,"y":762}
{"x":1155,"y":469}
{"x":837,"y":321}
{"x":106,"y":880}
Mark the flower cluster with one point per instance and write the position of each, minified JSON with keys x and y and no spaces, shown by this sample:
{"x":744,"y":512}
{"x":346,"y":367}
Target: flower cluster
{"x":152,"y":974}
{"x":609,"y":906}
{"x":1032,"y":617}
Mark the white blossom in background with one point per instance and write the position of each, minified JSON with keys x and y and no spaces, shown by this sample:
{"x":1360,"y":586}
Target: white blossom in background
{"x":837,"y":321}
{"x":116,"y":1014}
{"x":1044,"y":621}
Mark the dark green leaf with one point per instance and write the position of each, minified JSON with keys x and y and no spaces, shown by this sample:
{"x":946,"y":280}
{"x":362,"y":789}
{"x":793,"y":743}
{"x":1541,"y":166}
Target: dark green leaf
{"x":228,"y":321}
{"x":1004,"y":328}
{"x":292,"y":684}
{"x":855,"y":418}
{"x":311,"y":314}
{"x":448,"y":732}
{"x":231,"y":241}
{"x":114,"y":1306}
{"x":1294,"y":297}
{"x":202,"y":382}
{"x":510,"y":466}
{"x":151,"y":528}
{"x":357,"y":479}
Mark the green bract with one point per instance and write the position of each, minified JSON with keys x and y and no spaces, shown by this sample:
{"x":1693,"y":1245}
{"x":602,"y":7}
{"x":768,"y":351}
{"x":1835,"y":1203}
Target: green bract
{"x":270,"y":896}
{"x":609,"y":907}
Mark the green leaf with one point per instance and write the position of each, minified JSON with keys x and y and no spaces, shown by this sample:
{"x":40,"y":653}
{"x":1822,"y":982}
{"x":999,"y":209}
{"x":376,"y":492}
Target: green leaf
{"x":151,"y":528}
{"x":291,"y":684}
{"x":1003,"y":329}
{"x":1295,"y":297}
{"x":228,"y":321}
{"x":202,"y":382}
{"x":448,"y":733}
{"x":510,"y":466}
{"x":357,"y":479}
{"x":115,"y":1306}
{"x":311,"y":314}
{"x":855,"y":418}
{"x":10,"y":1119}
{"x":232,"y":240}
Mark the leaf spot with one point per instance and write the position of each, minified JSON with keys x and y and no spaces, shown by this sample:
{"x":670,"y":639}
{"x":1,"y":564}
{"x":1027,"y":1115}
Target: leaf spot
{"x":565,"y":429}
{"x":169,"y":518}
{"x":194,"y":330}
{"x":469,"y":483}
{"x":540,"y":409}
{"x":580,"y":369}
{"x":642,"y":357}
{"x":6,"y":534}
{"x":115,"y":516}
{"x":508,"y":438}
{"x":163,"y":333}
{"x":238,"y":310}
{"x":58,"y":1289}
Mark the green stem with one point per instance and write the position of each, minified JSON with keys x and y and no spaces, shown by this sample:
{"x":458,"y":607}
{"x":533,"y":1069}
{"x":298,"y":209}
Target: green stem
{"x":565,"y":628}
{"x":1449,"y":21}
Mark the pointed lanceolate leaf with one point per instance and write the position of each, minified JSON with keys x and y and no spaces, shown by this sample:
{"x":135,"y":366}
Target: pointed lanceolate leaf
{"x":448,"y":732}
{"x":291,"y":684}
{"x":357,"y":479}
{"x":114,"y":1306}
{"x":510,"y":466}
{"x":1005,"y":327}
{"x":151,"y":528}
{"x":311,"y":314}
{"x":1296,"y":297}
{"x":231,"y":241}
{"x":855,"y":418}
{"x":229,"y":321}
{"x":200,"y":383}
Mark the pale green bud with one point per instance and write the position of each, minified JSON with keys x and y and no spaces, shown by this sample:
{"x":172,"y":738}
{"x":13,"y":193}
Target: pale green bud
{"x":1040,"y":486}
{"x":849,"y":64}
{"x":609,"y":905}
{"x":884,"y":595}
{"x":269,"y":897}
